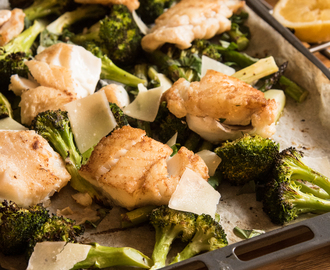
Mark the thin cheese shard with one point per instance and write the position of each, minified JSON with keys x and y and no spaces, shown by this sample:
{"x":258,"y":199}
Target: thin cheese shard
{"x":91,"y":119}
{"x":194,"y":194}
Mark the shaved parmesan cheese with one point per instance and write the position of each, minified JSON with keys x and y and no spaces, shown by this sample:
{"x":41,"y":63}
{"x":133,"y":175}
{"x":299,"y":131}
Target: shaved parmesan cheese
{"x":145,"y":106}
{"x":194,"y":194}
{"x":211,"y":159}
{"x":142,"y":26}
{"x":10,"y":124}
{"x":91,"y":119}
{"x":172,"y":141}
{"x":165,"y":82}
{"x":57,"y":255}
{"x":209,"y":63}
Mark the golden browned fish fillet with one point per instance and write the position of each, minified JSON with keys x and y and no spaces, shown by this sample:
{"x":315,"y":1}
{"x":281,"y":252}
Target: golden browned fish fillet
{"x":40,"y":99}
{"x":12,"y":27}
{"x":131,"y":168}
{"x":221,"y":97}
{"x":30,"y":170}
{"x":189,"y":20}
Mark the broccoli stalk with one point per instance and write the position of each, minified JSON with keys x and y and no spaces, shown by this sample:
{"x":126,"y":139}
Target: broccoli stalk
{"x":81,"y":13}
{"x":5,"y":107}
{"x":284,"y":197}
{"x":103,"y":257}
{"x":246,"y":159}
{"x":136,"y":216}
{"x":256,"y":71}
{"x":169,"y":224}
{"x":55,"y":127}
{"x":41,"y":8}
{"x":24,"y":41}
{"x":209,"y":236}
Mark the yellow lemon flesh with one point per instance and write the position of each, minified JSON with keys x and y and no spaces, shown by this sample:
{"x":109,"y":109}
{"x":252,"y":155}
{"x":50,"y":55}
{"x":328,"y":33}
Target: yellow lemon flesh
{"x":309,"y":18}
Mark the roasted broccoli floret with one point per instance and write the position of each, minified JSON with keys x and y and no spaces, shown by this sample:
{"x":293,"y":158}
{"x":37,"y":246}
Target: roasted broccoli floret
{"x":150,"y":10}
{"x":209,"y":236}
{"x":17,"y":225}
{"x":285,"y":196}
{"x":52,"y":34}
{"x":41,"y":8}
{"x":56,"y":228}
{"x":247,"y":158}
{"x":117,"y":35}
{"x":24,"y":41}
{"x":55,"y":127}
{"x":12,"y":64}
{"x":119,"y":115}
{"x":109,"y":70}
{"x":169,"y":224}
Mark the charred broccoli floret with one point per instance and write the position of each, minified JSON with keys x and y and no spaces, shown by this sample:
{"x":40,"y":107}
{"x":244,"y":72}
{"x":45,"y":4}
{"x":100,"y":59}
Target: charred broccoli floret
{"x":117,"y":35}
{"x":287,"y":194}
{"x":169,"y":224}
{"x":247,"y":158}
{"x":209,"y":236}
{"x":56,"y":228}
{"x":119,"y":115}
{"x":55,"y":127}
{"x":17,"y":225}
{"x":150,"y":10}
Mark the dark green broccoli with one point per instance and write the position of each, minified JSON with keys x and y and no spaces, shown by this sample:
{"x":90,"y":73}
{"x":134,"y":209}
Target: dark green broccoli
{"x":109,"y":70}
{"x":117,"y":35}
{"x":247,"y":158}
{"x":52,"y":34}
{"x":17,"y":225}
{"x":56,"y":228}
{"x":169,"y":224}
{"x":40,"y":8}
{"x":119,"y":115}
{"x":55,"y":127}
{"x":24,"y":41}
{"x":20,"y":3}
{"x":5,"y":107}
{"x":209,"y":236}
{"x":285,"y":196}
{"x":12,"y":64}
{"x":150,"y":10}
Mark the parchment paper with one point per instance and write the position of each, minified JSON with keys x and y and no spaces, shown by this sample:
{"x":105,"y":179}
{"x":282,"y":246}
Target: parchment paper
{"x":305,"y":126}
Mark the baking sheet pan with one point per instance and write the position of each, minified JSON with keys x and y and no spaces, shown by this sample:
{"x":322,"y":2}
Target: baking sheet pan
{"x":310,"y":233}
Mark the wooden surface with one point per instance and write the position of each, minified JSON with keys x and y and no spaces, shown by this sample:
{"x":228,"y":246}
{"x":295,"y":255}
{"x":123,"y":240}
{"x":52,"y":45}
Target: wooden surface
{"x":318,"y":259}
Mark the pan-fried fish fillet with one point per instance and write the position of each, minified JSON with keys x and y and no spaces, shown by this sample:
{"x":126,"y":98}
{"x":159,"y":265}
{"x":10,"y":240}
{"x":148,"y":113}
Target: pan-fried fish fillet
{"x":12,"y":27}
{"x":222,"y":97}
{"x":131,"y":168}
{"x":40,"y":99}
{"x":189,"y":20}
{"x":30,"y":170}
{"x":131,"y":4}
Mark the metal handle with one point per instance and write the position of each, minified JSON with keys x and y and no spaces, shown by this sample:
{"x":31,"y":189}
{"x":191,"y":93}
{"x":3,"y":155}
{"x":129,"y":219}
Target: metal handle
{"x":259,"y":251}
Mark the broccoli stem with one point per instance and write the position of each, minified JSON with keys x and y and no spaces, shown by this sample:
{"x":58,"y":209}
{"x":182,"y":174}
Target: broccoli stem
{"x":111,"y":72}
{"x":5,"y":107}
{"x":41,"y":9}
{"x":256,"y":71}
{"x":102,"y":257}
{"x":293,"y":90}
{"x":239,"y":38}
{"x":314,"y":191}
{"x":24,"y":41}
{"x":71,"y":17}
{"x":136,"y":217}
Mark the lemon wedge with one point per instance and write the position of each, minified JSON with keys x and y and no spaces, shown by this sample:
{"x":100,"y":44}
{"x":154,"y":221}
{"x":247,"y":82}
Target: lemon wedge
{"x":310,"y":19}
